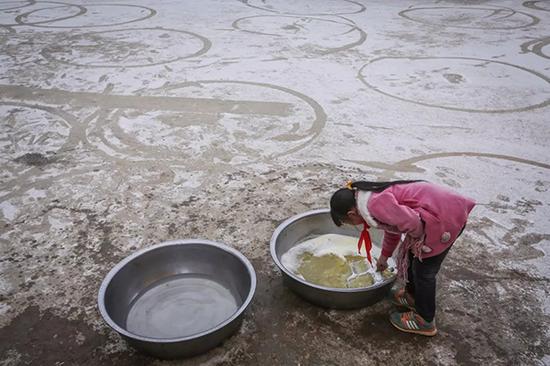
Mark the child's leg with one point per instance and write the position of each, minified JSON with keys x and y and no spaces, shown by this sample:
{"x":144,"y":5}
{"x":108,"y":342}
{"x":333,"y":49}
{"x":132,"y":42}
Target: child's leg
{"x":424,"y":274}
{"x":409,"y":288}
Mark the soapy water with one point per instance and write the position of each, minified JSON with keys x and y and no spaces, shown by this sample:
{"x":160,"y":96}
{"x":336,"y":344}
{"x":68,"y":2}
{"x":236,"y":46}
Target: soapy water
{"x":332,"y":260}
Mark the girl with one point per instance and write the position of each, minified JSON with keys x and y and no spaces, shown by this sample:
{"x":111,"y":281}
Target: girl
{"x":431,"y":218}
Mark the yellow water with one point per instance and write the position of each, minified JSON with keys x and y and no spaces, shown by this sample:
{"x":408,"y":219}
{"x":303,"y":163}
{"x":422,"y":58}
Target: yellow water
{"x":330,"y":270}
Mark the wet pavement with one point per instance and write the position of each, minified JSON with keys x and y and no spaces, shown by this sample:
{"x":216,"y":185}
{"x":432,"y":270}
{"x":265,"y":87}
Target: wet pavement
{"x":127,"y":124}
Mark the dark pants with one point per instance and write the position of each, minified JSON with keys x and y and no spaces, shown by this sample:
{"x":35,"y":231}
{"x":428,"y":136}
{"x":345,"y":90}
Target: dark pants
{"x":422,"y":281}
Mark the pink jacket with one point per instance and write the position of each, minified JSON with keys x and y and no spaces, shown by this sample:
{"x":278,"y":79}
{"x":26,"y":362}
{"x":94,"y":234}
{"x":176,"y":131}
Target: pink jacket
{"x":416,"y":209}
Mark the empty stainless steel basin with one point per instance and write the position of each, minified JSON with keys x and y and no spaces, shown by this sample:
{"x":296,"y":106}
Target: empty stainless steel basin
{"x":318,"y":222}
{"x":179,"y":298}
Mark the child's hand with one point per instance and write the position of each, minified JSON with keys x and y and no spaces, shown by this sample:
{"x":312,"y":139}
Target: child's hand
{"x":382,"y":263}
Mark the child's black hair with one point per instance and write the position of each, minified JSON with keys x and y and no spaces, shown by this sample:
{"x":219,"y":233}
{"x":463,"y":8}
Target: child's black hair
{"x":343,"y":200}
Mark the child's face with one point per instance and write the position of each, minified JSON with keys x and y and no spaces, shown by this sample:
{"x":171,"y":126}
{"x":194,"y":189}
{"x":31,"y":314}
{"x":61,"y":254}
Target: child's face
{"x":353,"y":217}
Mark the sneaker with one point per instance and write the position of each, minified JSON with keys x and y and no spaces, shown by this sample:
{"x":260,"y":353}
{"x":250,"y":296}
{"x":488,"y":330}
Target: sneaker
{"x":398,"y":298}
{"x":411,"y":322}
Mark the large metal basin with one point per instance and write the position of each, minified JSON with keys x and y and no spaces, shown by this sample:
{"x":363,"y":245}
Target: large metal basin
{"x":179,"y":298}
{"x":318,"y":222}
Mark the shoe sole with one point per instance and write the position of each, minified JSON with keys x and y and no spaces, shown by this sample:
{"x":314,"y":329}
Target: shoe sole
{"x":420,"y":332}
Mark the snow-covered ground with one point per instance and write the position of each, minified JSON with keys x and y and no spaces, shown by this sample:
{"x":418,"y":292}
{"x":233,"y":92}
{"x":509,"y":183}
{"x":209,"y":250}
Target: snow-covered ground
{"x":124,"y":124}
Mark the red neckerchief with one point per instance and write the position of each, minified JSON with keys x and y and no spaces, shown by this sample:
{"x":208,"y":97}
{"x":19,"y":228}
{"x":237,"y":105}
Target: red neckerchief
{"x":365,"y":238}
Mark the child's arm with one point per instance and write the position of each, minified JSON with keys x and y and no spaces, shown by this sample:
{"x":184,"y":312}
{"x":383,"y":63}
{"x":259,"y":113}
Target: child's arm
{"x":390,"y":242}
{"x":385,"y":208}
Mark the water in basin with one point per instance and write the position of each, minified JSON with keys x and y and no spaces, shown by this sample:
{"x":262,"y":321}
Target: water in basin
{"x":332,"y":260}
{"x":180,"y":306}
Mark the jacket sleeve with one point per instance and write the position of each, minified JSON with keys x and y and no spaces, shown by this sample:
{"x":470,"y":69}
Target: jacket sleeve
{"x":390,"y":243}
{"x":385,"y":208}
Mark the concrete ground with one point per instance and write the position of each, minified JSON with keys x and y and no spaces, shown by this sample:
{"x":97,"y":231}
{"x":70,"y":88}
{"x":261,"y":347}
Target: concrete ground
{"x":125,"y":124}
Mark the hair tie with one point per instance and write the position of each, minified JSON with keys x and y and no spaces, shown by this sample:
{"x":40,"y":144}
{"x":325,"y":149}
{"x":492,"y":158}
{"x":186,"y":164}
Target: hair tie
{"x":348,"y":184}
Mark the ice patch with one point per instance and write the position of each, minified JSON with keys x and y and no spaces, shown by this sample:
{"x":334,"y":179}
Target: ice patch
{"x":8,"y":210}
{"x":36,"y":193}
{"x":57,"y":223}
